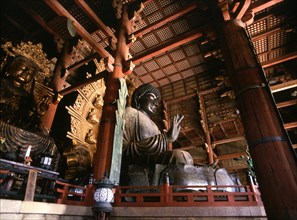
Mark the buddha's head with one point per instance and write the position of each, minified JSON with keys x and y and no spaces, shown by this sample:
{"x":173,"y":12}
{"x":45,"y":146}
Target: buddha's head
{"x":22,"y":71}
{"x":146,"y":99}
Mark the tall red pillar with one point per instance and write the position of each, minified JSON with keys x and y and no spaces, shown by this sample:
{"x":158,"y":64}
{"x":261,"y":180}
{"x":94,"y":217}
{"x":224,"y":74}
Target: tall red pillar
{"x":58,"y":82}
{"x":102,"y":157}
{"x":271,"y":150}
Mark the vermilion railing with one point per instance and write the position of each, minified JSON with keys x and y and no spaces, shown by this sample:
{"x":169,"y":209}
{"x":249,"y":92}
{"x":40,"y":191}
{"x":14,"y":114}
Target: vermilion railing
{"x":73,"y":195}
{"x":167,"y":195}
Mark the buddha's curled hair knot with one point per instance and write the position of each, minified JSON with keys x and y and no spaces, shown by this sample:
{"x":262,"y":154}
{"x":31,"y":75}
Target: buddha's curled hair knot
{"x":141,"y":91}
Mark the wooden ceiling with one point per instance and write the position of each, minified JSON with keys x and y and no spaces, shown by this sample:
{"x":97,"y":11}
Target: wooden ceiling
{"x":177,"y":50}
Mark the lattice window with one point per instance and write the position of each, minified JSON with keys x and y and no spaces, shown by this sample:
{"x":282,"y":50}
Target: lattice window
{"x":195,"y":60}
{"x":277,"y":39}
{"x":137,"y":47}
{"x":276,"y":21}
{"x":147,"y":78}
{"x":151,"y":65}
{"x":175,"y":77}
{"x":96,"y":37}
{"x":200,"y":69}
{"x":155,"y":17}
{"x":184,"y":64}
{"x":261,"y":45}
{"x":140,"y":24}
{"x":140,"y":70}
{"x":180,"y":26}
{"x":165,"y":2}
{"x":262,"y":58}
{"x":164,"y":60}
{"x":258,"y":27}
{"x":163,"y":81}
{"x":46,"y":13}
{"x":187,"y":73}
{"x":191,"y":49}
{"x":165,"y":33}
{"x":169,"y":69}
{"x":80,"y":16}
{"x":171,"y":9}
{"x":177,"y":55}
{"x":150,"y":8}
{"x":158,"y":74}
{"x":277,"y":53}
{"x":150,"y":40}
{"x":103,"y":44}
{"x":101,"y":34}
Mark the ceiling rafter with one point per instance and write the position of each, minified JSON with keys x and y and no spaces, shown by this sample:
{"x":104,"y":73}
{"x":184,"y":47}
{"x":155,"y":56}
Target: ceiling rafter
{"x":286,"y":103}
{"x":86,"y":8}
{"x":263,"y":4}
{"x":284,"y":86}
{"x":167,"y":19}
{"x":60,"y":10}
{"x":38,"y":19}
{"x":284,"y":58}
{"x":168,"y":45}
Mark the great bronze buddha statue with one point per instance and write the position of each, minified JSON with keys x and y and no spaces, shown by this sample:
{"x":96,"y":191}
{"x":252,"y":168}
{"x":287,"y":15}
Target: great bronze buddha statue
{"x":146,"y":157}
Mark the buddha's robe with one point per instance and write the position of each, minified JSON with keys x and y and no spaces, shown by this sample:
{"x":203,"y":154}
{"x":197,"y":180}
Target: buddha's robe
{"x":142,"y":141}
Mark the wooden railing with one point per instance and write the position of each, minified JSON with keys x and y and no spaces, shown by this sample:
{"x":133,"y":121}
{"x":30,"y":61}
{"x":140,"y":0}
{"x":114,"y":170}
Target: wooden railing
{"x":74,"y":195}
{"x":166,"y":195}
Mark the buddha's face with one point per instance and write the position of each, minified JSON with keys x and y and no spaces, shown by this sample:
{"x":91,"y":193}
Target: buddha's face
{"x":148,"y":104}
{"x":22,"y":71}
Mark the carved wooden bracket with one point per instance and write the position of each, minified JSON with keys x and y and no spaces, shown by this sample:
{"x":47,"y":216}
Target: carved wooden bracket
{"x":128,"y":67}
{"x":237,"y":9}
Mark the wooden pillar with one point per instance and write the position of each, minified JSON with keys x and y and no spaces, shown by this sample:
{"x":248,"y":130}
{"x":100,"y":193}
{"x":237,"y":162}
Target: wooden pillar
{"x":102,"y":157}
{"x":271,"y":150}
{"x":31,"y":185}
{"x":58,"y":82}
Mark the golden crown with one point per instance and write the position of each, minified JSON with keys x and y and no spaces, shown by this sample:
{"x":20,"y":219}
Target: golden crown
{"x":32,"y":52}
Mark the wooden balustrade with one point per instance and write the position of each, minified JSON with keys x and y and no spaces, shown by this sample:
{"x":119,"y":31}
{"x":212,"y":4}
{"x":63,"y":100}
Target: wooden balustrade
{"x":73,"y":194}
{"x":166,"y":195}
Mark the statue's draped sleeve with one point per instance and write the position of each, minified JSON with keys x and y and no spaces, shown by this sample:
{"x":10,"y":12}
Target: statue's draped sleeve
{"x":142,"y":137}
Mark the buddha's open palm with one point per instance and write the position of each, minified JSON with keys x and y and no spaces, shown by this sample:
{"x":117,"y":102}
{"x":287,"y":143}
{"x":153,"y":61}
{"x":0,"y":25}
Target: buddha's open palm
{"x":174,"y":130}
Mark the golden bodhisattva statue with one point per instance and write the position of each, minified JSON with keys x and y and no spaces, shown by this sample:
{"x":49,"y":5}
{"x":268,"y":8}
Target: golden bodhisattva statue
{"x":23,"y":96}
{"x":24,"y":99}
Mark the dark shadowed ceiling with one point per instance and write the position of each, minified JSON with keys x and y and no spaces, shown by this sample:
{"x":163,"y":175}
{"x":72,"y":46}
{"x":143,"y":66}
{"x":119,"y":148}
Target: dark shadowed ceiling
{"x":176,"y":50}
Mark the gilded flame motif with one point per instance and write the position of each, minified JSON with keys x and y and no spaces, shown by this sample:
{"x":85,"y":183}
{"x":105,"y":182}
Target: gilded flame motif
{"x":85,"y":118}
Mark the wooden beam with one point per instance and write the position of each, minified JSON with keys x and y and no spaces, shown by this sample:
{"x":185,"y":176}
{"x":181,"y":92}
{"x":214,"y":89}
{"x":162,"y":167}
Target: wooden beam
{"x":167,"y":19}
{"x":229,"y":140}
{"x":212,"y":90}
{"x":286,"y":103}
{"x":267,"y":33}
{"x":37,"y":18}
{"x":82,"y":62}
{"x":261,"y":5}
{"x":278,"y":60}
{"x":290,"y":125}
{"x":168,"y":45}
{"x":284,"y":86}
{"x":231,"y":156}
{"x":15,"y":24}
{"x":61,"y":11}
{"x":82,"y":83}
{"x":86,"y":8}
{"x":181,"y":99}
